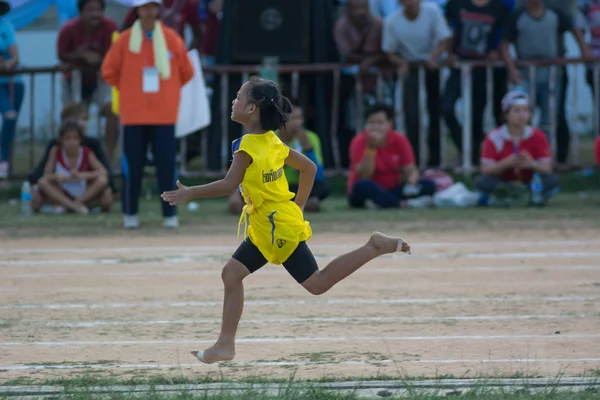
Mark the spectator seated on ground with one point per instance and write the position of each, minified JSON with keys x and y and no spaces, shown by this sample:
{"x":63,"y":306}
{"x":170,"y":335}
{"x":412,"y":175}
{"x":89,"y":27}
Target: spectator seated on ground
{"x":296,"y":136}
{"x":382,"y":166}
{"x":76,"y":112}
{"x":513,"y":153}
{"x":73,"y":178}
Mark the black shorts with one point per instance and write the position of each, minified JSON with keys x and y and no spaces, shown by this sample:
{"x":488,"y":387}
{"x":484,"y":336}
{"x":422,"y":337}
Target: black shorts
{"x":300,"y":265}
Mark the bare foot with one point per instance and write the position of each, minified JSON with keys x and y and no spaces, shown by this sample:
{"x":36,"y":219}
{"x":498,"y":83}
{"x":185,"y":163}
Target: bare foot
{"x":384,"y":244}
{"x":216,"y":353}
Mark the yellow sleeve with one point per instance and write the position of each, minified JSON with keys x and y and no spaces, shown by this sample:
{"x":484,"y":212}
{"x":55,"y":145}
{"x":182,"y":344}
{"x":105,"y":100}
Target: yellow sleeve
{"x":243,"y":144}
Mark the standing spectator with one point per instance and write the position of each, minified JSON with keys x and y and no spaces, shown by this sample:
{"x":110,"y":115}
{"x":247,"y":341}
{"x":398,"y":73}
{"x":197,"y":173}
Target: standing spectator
{"x":589,"y":19}
{"x":175,"y":14}
{"x":383,"y":8}
{"x":500,"y":74}
{"x":418,"y":32}
{"x":475,"y":25}
{"x":515,"y":151}
{"x":297,"y":137}
{"x":73,"y":178}
{"x":358,"y":38}
{"x":83,"y":43}
{"x":149,"y":64}
{"x":383,"y":173}
{"x":11,"y":89}
{"x":536,"y":32}
{"x":210,"y":38}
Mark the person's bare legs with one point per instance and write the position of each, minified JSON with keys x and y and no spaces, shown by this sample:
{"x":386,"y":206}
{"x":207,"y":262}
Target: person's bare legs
{"x":106,"y":200}
{"x":111,"y":131}
{"x":37,"y":200}
{"x":235,"y":203}
{"x":55,"y":194}
{"x":233,"y":274}
{"x":93,"y":190}
{"x":344,"y":265}
{"x":312,"y":205}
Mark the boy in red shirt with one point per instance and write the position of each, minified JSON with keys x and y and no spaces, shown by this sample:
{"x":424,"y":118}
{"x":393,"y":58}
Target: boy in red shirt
{"x":515,"y":151}
{"x":379,"y":160}
{"x":598,"y":151}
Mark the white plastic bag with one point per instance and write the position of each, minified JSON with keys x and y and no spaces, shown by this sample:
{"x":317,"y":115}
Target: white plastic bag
{"x":194,"y":107}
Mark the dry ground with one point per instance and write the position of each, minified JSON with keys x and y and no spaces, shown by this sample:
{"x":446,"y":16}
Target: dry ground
{"x":485,"y":303}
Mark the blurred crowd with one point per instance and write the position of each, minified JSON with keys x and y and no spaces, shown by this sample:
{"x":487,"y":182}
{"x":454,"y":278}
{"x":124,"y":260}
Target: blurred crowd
{"x":397,"y":37}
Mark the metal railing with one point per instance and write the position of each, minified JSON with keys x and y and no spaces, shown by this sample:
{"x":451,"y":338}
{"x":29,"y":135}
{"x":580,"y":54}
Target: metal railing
{"x":294,"y":74}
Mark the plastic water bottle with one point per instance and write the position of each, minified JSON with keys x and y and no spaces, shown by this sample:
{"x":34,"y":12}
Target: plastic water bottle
{"x":26,"y":199}
{"x":536,"y":189}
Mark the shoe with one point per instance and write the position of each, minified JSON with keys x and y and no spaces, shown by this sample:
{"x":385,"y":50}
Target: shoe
{"x":420,"y":202}
{"x":371,"y":205}
{"x":131,"y":222}
{"x":3,"y":170}
{"x":171,"y":222}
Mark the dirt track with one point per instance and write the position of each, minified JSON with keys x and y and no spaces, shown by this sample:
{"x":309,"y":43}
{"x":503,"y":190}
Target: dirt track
{"x":483,"y":303}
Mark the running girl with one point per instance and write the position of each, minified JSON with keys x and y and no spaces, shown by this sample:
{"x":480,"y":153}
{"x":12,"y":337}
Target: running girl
{"x":277,"y":232}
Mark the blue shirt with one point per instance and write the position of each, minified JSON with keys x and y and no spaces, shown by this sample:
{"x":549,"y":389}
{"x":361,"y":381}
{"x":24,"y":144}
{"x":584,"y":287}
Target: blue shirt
{"x":7,"y":39}
{"x":511,"y":6}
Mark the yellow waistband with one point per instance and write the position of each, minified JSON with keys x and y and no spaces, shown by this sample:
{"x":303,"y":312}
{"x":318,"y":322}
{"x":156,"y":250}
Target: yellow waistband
{"x":246,"y":211}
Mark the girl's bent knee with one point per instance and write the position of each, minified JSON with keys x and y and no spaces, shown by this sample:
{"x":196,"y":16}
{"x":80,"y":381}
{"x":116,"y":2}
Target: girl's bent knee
{"x":234,"y":272}
{"x":315,"y":284}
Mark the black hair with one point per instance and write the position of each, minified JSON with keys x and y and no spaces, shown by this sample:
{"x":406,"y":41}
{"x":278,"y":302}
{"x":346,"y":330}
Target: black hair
{"x":82,"y":3}
{"x":274,"y":108}
{"x":69,"y":126}
{"x":380,"y":107}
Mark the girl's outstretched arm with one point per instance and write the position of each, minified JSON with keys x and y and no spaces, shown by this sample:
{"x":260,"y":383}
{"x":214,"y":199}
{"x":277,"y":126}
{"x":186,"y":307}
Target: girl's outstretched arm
{"x":223,"y":187}
{"x":308,"y":170}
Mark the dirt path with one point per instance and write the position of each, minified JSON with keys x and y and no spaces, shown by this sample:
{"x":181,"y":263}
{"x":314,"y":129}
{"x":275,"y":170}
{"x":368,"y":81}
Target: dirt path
{"x":482,"y":303}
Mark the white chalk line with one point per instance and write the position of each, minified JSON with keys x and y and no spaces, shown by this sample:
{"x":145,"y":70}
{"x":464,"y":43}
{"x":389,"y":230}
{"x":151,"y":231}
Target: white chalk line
{"x":191,"y":259}
{"x":282,"y":272}
{"x":301,"y":339}
{"x":92,"y":324}
{"x":299,"y":363}
{"x":160,"y":304}
{"x":313,"y":245}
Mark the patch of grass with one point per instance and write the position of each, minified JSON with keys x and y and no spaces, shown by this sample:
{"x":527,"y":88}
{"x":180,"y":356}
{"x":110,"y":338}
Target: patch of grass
{"x":567,"y":211}
{"x":152,"y":378}
{"x":292,"y":391}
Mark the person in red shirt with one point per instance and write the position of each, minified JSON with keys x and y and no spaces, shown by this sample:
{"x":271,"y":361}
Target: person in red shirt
{"x":515,"y":151}
{"x":82,"y":43}
{"x":175,"y":14}
{"x":379,"y":160}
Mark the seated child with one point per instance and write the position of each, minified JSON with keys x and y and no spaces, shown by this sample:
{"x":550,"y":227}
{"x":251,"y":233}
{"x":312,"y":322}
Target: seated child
{"x":514,"y":152}
{"x":77,"y":112}
{"x":73,"y":178}
{"x":297,"y":137}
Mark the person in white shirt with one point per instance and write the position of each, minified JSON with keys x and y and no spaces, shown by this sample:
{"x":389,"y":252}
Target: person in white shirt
{"x":418,"y":32}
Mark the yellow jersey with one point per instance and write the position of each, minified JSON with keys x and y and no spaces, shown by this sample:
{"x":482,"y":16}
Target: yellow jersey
{"x":273,"y":222}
